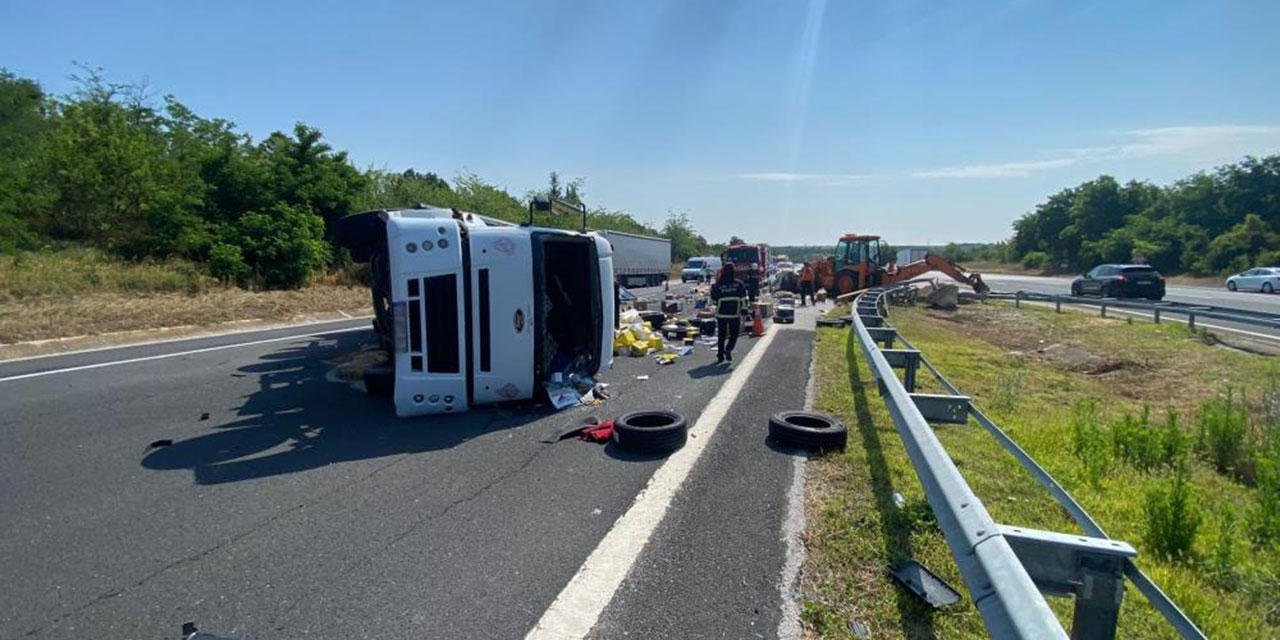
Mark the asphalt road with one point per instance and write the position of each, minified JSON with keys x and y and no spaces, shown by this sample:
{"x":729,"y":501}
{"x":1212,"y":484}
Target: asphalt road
{"x":290,"y":504}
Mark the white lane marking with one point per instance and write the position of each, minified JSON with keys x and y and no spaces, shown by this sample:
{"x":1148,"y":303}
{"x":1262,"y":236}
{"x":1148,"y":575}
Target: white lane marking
{"x":176,"y":354}
{"x":789,"y":627}
{"x":198,"y":336}
{"x":579,"y":605}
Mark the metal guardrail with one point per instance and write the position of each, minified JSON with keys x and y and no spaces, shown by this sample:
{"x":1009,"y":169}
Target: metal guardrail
{"x":1005,"y":568}
{"x":1249,"y":317}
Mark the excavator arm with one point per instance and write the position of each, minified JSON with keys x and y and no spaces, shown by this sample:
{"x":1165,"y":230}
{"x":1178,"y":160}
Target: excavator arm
{"x":934,"y":262}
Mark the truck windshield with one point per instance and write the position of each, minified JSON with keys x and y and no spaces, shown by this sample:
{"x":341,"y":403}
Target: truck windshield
{"x":743,"y":254}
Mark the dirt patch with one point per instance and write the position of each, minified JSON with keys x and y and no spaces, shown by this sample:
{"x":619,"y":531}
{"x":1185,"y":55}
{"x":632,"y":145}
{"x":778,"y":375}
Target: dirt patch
{"x":350,"y":366}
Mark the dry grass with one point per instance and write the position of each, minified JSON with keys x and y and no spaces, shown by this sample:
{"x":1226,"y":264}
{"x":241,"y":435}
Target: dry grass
{"x":40,"y":318}
{"x":1003,"y":358}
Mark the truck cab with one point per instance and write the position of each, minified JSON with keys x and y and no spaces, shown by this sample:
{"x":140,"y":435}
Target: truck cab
{"x":472,"y":310}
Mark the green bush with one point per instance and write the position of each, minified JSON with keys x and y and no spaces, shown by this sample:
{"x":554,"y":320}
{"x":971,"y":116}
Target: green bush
{"x":1172,"y":516}
{"x":1035,"y":259}
{"x":1265,"y":516}
{"x":282,"y":246}
{"x":226,"y":263}
{"x":1089,"y":442}
{"x":1146,"y":447}
{"x":1222,"y":438}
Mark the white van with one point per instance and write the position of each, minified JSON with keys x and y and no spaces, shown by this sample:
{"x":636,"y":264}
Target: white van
{"x":693,"y":267}
{"x":474,"y":310}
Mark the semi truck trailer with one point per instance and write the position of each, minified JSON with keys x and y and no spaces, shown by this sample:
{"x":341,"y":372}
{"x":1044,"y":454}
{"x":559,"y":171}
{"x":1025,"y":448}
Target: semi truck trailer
{"x":639,"y":261}
{"x":473,"y":310}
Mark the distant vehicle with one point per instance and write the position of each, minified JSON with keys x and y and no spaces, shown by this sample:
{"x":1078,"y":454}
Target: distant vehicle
{"x":1120,"y":281}
{"x":1264,"y":279}
{"x":750,"y":264}
{"x":639,"y":261}
{"x":693,"y":267}
{"x":862,"y":261}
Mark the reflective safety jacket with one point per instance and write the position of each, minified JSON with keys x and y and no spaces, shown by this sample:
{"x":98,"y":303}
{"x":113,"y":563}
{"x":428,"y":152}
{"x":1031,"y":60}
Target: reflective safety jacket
{"x":729,"y":299}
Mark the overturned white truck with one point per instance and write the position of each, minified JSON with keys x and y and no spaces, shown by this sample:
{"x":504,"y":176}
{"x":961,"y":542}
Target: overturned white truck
{"x":473,"y":310}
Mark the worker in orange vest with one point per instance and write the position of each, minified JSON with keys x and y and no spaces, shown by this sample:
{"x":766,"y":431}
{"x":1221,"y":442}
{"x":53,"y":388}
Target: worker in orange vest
{"x":807,"y":278}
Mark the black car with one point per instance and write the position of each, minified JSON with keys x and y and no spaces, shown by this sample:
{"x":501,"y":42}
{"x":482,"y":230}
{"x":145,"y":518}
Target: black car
{"x":1120,"y":281}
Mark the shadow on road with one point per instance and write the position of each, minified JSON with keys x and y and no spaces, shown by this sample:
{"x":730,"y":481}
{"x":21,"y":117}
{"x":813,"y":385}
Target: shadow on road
{"x":708,"y":370}
{"x":317,"y":421}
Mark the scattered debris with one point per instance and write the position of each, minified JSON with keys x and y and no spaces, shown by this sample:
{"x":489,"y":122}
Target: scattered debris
{"x":924,"y":584}
{"x":642,"y":377}
{"x":204,"y":416}
{"x":163,"y":442}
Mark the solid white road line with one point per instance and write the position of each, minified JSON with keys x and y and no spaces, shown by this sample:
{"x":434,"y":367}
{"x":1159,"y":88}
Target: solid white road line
{"x":197,"y":336}
{"x":112,"y":363}
{"x":579,"y":605}
{"x":789,"y":627}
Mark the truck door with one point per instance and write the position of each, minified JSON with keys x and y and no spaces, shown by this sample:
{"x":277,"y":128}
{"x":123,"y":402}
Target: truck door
{"x":427,"y":300}
{"x":502,"y":312}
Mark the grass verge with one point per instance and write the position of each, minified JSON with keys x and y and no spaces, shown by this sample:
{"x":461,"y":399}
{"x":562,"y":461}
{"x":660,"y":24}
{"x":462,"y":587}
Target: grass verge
{"x":1026,"y":368}
{"x":80,"y":292}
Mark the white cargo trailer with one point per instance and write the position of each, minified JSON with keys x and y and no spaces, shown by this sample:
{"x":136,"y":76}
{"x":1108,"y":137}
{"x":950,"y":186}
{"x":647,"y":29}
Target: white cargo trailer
{"x":639,"y":261}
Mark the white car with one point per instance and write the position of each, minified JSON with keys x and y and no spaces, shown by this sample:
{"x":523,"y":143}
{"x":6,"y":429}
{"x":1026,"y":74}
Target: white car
{"x":1264,"y":279}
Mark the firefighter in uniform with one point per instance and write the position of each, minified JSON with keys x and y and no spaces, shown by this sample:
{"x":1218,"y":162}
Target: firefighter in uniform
{"x":729,"y":296}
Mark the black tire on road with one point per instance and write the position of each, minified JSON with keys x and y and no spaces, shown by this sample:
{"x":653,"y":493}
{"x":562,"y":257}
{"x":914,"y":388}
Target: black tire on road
{"x":1075,"y":290}
{"x":1231,"y":285}
{"x":807,"y":429}
{"x":830,"y":322}
{"x":658,"y":431}
{"x":380,"y":380}
{"x":1267,"y":288}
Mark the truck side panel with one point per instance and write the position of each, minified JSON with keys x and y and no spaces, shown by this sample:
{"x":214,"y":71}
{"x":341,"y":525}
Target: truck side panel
{"x":502,"y":314}
{"x":608,"y":302}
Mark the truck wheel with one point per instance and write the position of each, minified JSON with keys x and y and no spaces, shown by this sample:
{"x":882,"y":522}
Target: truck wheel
{"x":380,"y":380}
{"x":657,"y":431}
{"x":845,"y":283}
{"x":807,"y":429}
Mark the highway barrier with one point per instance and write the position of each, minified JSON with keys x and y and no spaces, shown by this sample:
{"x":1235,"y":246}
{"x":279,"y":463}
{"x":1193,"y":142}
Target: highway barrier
{"x":1191,"y":312}
{"x":1007,"y":569}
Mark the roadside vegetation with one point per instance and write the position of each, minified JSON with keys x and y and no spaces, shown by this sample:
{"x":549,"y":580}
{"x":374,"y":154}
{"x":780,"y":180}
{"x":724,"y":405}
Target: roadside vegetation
{"x":1170,"y":442}
{"x":112,"y":167}
{"x":111,"y":194}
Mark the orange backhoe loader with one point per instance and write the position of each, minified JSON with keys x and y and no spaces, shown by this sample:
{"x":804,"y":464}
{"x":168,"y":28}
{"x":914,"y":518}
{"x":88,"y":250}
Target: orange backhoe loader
{"x":861,"y":261}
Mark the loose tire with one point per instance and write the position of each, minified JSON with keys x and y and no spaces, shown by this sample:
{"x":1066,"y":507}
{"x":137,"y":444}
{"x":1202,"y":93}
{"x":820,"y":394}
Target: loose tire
{"x":650,"y":431}
{"x":807,"y":429}
{"x":1267,"y":288}
{"x":1231,"y":285}
{"x":824,"y":321}
{"x":379,"y":380}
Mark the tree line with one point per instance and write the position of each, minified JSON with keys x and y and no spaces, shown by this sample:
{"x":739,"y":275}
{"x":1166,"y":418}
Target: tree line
{"x":1212,"y":222}
{"x":111,"y":167}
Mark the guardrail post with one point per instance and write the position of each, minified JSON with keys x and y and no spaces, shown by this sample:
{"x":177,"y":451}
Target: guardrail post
{"x":1017,"y":299}
{"x":1097,"y":601}
{"x":1057,"y":304}
{"x":1191,"y":320}
{"x":1103,"y":306}
{"x":1156,"y":314}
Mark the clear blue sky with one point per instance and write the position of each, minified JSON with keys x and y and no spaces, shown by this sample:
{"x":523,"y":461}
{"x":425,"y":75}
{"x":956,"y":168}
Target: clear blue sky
{"x":789,"y":121}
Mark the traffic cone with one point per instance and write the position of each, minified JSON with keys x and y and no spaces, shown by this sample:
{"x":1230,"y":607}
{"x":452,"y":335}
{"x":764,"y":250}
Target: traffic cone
{"x":757,"y":326}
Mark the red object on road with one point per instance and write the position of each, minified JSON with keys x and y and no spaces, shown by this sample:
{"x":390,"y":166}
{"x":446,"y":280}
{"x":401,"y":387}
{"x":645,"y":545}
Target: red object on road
{"x":599,"y":432}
